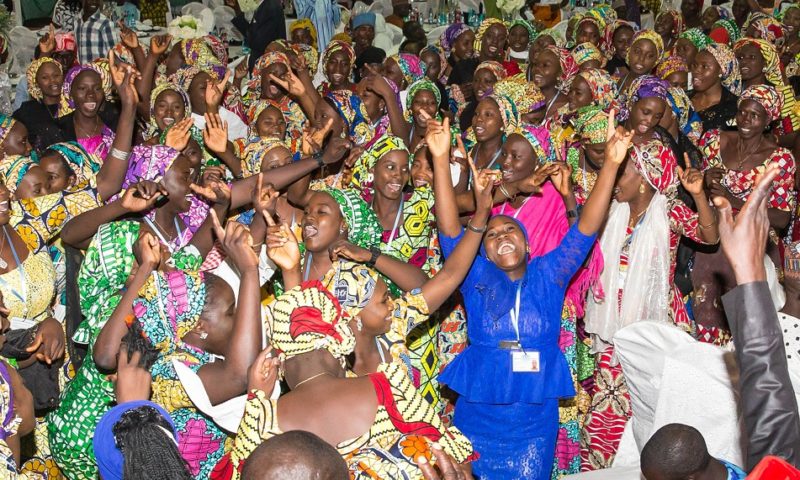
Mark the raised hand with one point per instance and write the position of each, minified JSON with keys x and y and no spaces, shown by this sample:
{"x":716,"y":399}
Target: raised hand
{"x":482,"y":184}
{"x":263,"y":373}
{"x":344,"y":249}
{"x":128,"y":36}
{"x":282,"y":246}
{"x":178,"y":135}
{"x":437,"y":137}
{"x":691,"y":178}
{"x":215,"y":135}
{"x":160,"y":44}
{"x":212,"y":174}
{"x":123,"y":76}
{"x":150,"y":251}
{"x":618,"y":141}
{"x":744,"y":240}
{"x":131,"y":382}
{"x":237,"y":243}
{"x":533,"y":183}
{"x":313,"y":138}
{"x":292,"y":84}
{"x":47,"y":44}
{"x":264,"y":197}
{"x":381,"y":87}
{"x":240,"y":72}
{"x":217,"y":192}
{"x":336,"y":149}
{"x":142,"y":196}
{"x":560,"y":176}
{"x":215,"y":90}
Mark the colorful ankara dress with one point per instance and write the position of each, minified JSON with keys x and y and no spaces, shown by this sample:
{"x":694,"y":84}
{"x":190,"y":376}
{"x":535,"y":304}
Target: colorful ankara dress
{"x":637,"y":282}
{"x":9,"y":423}
{"x":169,"y":306}
{"x":510,"y":415}
{"x":385,"y":451}
{"x":712,"y":275}
{"x":99,"y":144}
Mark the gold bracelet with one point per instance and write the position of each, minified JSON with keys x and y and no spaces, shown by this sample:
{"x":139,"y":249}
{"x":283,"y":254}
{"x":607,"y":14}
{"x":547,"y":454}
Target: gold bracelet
{"x":703,"y":227}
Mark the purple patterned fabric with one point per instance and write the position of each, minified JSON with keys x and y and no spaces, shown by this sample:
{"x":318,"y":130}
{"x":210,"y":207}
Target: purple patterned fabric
{"x":450,"y":35}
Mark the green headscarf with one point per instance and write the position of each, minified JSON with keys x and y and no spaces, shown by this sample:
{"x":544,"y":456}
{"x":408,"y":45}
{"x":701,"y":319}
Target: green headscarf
{"x":363,"y":227}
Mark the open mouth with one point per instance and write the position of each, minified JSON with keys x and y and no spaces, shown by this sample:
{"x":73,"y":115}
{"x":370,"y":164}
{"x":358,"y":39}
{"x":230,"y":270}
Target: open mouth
{"x":420,"y":182}
{"x":642,"y":128}
{"x":506,"y":248}
{"x":90,"y":105}
{"x":479,"y":130}
{"x":309,"y":231}
{"x":273,"y":90}
{"x":394,"y":187}
{"x":4,"y":206}
{"x":168,"y":121}
{"x":492,"y":49}
{"x":337,"y":78}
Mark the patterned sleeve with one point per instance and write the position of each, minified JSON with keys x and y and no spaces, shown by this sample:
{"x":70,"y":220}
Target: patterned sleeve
{"x":783,"y":196}
{"x":409,"y":311}
{"x":684,"y":221}
{"x":258,"y":424}
{"x":409,"y":413}
{"x":709,"y":147}
{"x":38,"y":220}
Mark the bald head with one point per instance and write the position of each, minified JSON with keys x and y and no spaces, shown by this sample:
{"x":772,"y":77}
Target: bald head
{"x":675,"y":452}
{"x":295,"y":455}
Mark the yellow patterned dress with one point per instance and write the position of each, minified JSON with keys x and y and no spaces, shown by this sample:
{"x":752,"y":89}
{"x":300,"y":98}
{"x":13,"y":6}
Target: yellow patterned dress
{"x":388,"y":450}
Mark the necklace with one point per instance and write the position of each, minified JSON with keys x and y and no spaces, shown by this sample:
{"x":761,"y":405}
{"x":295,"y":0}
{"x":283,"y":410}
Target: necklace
{"x":638,"y":216}
{"x":91,"y":133}
{"x":743,"y":155}
{"x":309,"y":379}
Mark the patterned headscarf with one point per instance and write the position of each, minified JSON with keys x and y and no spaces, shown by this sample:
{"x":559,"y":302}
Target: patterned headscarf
{"x":66,"y":104}
{"x":525,"y":95}
{"x":767,"y":97}
{"x":33,"y":88}
{"x":264,"y":61}
{"x":13,"y":169}
{"x":651,"y":35}
{"x":486,"y":25}
{"x":699,"y":39}
{"x":84,"y":165}
{"x":607,"y":42}
{"x":593,"y":17}
{"x":729,"y":67}
{"x":539,"y":138}
{"x":168,"y":307}
{"x":353,"y":285}
{"x":604,"y":88}
{"x":305,"y":23}
{"x":184,"y":76}
{"x":772,"y":63}
{"x":689,"y":121}
{"x":568,"y":67}
{"x":363,"y":227}
{"x":591,"y":124}
{"x":677,"y":20}
{"x":731,"y":30}
{"x":309,"y":54}
{"x":496,"y":68}
{"x":450,"y":35}
{"x":413,"y":69}
{"x":309,"y":318}
{"x":418,"y":86}
{"x":767,"y":28}
{"x":645,"y":86}
{"x":339,"y":46}
{"x":152,"y":126}
{"x":508,"y":112}
{"x":255,"y":151}
{"x":6,"y":124}
{"x":585,"y":52}
{"x":354,"y":114}
{"x":362,"y":170}
{"x":149,"y":163}
{"x":438,"y":51}
{"x":657,"y":165}
{"x":670,"y":65}
{"x":525,"y":24}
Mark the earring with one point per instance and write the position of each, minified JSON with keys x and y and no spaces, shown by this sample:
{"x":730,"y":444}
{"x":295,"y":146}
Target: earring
{"x":203,"y":335}
{"x":341,"y":230}
{"x":641,"y":188}
{"x":359,"y":325}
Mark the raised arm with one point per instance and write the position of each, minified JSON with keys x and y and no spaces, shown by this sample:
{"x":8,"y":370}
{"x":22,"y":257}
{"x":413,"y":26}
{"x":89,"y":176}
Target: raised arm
{"x":115,"y":165}
{"x":437,"y":137}
{"x":158,"y":45}
{"x":226,"y":379}
{"x":397,"y":120}
{"x":404,"y":275}
{"x":107,"y":344}
{"x":596,"y":207}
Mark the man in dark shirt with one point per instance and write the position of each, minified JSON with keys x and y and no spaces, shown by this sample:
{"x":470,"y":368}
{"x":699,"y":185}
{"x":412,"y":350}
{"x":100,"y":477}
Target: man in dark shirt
{"x":268,"y":24}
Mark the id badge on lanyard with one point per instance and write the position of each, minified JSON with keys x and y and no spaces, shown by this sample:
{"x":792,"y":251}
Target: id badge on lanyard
{"x":522,"y":361}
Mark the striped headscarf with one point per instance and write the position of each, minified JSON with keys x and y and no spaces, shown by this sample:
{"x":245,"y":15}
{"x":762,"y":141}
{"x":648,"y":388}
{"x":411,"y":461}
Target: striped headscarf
{"x":152,"y":126}
{"x":729,"y":67}
{"x":363,"y":227}
{"x":568,"y":67}
{"x":339,"y":46}
{"x":767,"y":28}
{"x":486,"y":25}
{"x":30,"y":75}
{"x":361,"y":178}
{"x":590,"y":17}
{"x":255,"y":151}
{"x":539,"y":139}
{"x":585,"y":52}
{"x":670,"y":65}
{"x":591,"y":125}
{"x":525,"y":24}
{"x":730,"y":28}
{"x":772,"y":63}
{"x":767,"y":97}
{"x":689,"y":121}
{"x":651,"y":35}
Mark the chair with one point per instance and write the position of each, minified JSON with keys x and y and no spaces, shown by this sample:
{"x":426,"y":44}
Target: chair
{"x":22,"y":43}
{"x":433,"y":35}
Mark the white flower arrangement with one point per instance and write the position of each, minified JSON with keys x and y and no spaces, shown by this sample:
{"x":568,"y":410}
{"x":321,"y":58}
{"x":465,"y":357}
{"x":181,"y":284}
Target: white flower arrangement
{"x":248,"y":6}
{"x":189,"y":26}
{"x":510,"y":6}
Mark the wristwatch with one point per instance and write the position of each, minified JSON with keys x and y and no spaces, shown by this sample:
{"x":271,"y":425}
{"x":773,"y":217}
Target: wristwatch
{"x":375,"y":252}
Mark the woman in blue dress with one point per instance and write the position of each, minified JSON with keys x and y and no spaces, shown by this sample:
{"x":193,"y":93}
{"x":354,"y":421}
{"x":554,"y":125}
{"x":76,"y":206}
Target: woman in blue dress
{"x":511,"y":376}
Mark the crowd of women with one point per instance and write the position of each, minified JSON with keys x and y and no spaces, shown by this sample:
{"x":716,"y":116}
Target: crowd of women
{"x":420,"y":258}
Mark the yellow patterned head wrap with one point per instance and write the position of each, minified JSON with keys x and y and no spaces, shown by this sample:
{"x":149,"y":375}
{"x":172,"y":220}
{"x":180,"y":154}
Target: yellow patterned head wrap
{"x":309,"y":318}
{"x":33,"y":89}
{"x":526,"y":95}
{"x":353,"y":285}
{"x":13,"y":169}
{"x":486,"y":25}
{"x":255,"y":151}
{"x":591,"y":125}
{"x":648,"y":35}
{"x":362,"y":169}
{"x":305,"y":23}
